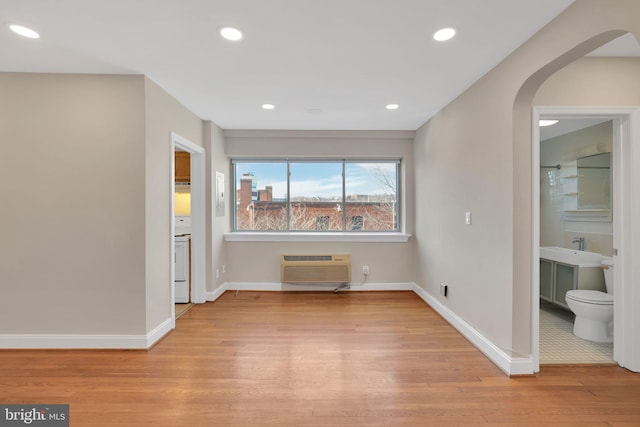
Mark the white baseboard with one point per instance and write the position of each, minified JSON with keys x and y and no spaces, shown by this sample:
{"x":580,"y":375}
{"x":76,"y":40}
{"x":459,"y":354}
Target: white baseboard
{"x":212,"y":296}
{"x":253,"y":286}
{"x":510,"y":365}
{"x":160,"y":331}
{"x":60,"y":341}
{"x":79,"y":341}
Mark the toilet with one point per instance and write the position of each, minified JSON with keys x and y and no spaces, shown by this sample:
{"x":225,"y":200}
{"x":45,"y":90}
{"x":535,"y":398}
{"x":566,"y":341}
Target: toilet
{"x":594,"y":309}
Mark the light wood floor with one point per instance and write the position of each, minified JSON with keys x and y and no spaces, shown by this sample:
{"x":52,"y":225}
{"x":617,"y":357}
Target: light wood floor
{"x":322,"y":359}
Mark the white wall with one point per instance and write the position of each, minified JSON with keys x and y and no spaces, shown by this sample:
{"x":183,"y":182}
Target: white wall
{"x":463,"y":165}
{"x":72,"y":248}
{"x":217,"y":161}
{"x":259,"y":262}
{"x":593,"y":81}
{"x":163,"y":115}
{"x":86,"y":190}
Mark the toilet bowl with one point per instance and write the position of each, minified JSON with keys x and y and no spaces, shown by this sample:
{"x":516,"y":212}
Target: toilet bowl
{"x":594,"y":309}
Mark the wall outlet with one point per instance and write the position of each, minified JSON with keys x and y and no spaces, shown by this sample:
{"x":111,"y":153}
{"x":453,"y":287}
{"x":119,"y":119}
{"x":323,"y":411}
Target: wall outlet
{"x":467,"y":218}
{"x":224,"y":268}
{"x":217,"y":273}
{"x":365,"y":270}
{"x":444,"y":289}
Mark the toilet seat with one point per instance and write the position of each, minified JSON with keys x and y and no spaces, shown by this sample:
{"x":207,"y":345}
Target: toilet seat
{"x":590,"y":297}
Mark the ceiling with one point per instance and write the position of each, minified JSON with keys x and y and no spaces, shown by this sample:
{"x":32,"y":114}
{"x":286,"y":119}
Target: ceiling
{"x":565,"y":126}
{"x":331,"y":64}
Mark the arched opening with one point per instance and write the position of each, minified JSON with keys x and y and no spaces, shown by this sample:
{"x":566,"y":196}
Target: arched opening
{"x":526,"y":175}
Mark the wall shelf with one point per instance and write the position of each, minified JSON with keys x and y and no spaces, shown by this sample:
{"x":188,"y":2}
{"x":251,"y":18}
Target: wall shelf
{"x":595,"y":215}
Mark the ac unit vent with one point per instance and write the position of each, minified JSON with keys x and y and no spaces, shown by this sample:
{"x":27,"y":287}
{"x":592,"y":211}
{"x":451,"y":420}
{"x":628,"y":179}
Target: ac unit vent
{"x":308,"y":257}
{"x":315,"y":269}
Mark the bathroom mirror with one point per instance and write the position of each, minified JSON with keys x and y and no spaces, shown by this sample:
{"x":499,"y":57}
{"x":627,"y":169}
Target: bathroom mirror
{"x":594,"y":182}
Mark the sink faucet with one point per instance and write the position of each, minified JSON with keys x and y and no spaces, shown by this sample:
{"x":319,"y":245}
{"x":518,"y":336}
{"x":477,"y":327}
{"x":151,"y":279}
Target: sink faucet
{"x":580,"y":242}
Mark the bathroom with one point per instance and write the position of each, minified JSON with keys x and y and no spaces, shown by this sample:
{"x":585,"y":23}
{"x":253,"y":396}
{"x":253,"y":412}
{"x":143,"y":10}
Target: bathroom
{"x":576,"y":213}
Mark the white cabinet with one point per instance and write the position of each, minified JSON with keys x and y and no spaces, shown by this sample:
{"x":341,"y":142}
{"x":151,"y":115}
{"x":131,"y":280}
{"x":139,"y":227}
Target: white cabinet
{"x":182,"y":225}
{"x":182,"y":267}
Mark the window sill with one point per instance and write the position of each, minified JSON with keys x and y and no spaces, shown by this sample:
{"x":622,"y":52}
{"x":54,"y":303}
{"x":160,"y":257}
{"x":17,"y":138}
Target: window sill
{"x":317,"y":237}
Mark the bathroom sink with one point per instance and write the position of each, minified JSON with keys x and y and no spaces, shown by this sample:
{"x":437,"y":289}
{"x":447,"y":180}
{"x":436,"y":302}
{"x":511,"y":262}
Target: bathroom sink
{"x":571,"y":256}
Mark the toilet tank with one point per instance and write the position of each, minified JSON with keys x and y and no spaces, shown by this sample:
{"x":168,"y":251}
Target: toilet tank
{"x":607,"y":265}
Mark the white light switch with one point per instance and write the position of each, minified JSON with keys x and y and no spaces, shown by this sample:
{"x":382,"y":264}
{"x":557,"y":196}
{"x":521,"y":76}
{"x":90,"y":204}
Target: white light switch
{"x":467,"y":218}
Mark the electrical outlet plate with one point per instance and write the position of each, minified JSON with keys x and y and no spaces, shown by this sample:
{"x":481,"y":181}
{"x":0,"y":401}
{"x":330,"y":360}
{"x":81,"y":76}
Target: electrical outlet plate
{"x":443,"y":289}
{"x":365,"y":269}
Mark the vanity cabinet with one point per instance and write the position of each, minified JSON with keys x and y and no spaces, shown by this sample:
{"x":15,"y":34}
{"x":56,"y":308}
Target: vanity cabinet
{"x":556,"y":278}
{"x":546,"y":280}
{"x":565,"y":278}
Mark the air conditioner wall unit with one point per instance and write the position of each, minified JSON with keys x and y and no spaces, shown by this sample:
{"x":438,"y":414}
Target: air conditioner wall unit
{"x":315,"y":268}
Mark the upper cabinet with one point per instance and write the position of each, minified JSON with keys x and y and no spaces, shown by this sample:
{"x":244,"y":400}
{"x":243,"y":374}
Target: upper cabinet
{"x":183,"y":166}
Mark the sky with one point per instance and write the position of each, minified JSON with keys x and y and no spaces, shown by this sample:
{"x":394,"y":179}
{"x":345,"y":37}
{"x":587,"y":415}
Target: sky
{"x":320,"y":179}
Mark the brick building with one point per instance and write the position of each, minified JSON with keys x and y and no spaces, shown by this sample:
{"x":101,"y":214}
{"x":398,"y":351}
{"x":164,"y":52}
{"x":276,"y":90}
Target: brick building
{"x":256,"y":210}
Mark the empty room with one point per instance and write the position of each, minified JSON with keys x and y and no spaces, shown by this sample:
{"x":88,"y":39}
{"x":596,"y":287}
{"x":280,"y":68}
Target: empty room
{"x":411,"y":212}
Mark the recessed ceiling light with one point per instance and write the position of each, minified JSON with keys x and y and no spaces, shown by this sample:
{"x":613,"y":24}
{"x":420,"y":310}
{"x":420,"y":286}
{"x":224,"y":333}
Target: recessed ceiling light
{"x":544,"y":123}
{"x":392,"y":107}
{"x":444,"y":34}
{"x":230,"y":33}
{"x":268,"y":106}
{"x":24,"y":31}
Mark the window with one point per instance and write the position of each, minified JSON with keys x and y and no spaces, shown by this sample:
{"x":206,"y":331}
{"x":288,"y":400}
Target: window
{"x":316,"y":195}
{"x":261,"y":196}
{"x":316,"y":190}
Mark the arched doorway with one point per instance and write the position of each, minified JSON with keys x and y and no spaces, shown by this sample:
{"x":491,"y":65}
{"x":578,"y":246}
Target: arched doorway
{"x":627,"y":122}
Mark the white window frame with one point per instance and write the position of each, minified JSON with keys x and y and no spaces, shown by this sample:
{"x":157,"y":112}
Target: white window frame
{"x":391,"y":236}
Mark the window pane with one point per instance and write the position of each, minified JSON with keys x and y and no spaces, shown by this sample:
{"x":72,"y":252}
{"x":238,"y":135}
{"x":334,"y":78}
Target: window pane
{"x":261,"y":202}
{"x":371,"y":196}
{"x":316,"y":196}
{"x":320,"y":198}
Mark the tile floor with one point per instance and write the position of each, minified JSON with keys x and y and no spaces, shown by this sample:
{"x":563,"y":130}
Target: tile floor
{"x":559,"y":345}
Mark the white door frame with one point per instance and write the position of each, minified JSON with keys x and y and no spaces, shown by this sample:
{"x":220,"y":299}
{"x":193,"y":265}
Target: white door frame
{"x":626,"y":235}
{"x":198,"y":288}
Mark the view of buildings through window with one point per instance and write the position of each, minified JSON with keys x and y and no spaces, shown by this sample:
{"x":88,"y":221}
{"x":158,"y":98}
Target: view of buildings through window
{"x":343,"y":195}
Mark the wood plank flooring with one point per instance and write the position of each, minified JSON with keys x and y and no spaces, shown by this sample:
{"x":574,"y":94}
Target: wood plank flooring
{"x":321,"y":359}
